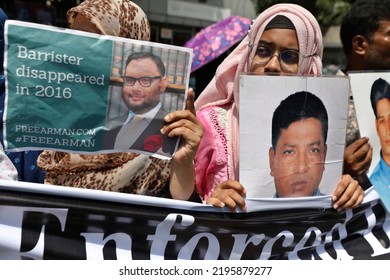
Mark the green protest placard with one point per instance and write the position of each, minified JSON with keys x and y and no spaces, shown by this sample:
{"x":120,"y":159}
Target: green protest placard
{"x":64,"y":91}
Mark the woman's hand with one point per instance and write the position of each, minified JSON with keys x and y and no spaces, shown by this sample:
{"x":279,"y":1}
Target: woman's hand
{"x":185,"y":125}
{"x":230,"y":194}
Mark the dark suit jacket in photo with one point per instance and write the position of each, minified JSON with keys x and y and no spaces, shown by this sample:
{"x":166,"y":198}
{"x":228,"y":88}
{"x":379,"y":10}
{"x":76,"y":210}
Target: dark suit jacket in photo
{"x":150,"y":140}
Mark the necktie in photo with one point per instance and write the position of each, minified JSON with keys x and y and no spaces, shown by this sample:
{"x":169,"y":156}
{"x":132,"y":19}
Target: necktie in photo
{"x":130,"y":132}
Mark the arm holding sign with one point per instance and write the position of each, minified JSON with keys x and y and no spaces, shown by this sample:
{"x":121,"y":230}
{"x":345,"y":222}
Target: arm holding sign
{"x":185,"y":125}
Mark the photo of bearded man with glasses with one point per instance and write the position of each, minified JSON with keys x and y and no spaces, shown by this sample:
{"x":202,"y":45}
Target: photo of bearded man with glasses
{"x":144,"y":83}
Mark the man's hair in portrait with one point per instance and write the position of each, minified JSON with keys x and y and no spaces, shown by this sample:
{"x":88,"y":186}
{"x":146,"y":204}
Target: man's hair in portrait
{"x":143,"y":55}
{"x":380,"y":89}
{"x":296,"y":107}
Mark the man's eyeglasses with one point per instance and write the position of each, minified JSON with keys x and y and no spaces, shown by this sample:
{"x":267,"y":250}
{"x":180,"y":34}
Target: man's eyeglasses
{"x":288,"y":59}
{"x":143,"y":81}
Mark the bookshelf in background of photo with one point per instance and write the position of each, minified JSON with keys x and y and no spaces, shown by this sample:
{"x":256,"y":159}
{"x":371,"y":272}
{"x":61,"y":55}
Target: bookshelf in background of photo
{"x":176,"y":64}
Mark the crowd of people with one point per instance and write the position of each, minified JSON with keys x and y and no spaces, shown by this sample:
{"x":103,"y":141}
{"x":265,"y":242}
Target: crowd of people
{"x":285,"y":39}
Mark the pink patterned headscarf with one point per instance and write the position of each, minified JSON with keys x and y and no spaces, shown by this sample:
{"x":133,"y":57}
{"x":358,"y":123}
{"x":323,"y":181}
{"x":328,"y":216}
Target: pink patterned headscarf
{"x":223,"y":89}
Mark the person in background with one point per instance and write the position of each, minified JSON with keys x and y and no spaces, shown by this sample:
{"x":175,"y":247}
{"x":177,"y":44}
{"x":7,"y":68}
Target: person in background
{"x":128,"y":172}
{"x":24,"y":162}
{"x":364,"y":34}
{"x":284,"y":39}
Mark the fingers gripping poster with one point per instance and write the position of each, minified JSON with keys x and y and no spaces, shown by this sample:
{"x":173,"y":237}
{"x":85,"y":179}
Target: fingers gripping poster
{"x":69,"y":90}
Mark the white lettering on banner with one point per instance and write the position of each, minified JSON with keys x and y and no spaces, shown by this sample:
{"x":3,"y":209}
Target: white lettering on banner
{"x":52,"y":76}
{"x":287,"y":240}
{"x":341,"y":253}
{"x":46,"y":91}
{"x":301,"y":244}
{"x":162,"y":236}
{"x":55,"y":131}
{"x":58,"y":77}
{"x":12,"y":233}
{"x":11,"y":220}
{"x":23,"y":52}
{"x":241,"y":242}
{"x":41,"y":140}
{"x":376,"y":244}
{"x":96,"y":241}
{"x":212,"y":252}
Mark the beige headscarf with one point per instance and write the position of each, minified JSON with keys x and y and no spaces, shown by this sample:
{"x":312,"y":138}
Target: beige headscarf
{"x":120,"y":18}
{"x":121,"y":172}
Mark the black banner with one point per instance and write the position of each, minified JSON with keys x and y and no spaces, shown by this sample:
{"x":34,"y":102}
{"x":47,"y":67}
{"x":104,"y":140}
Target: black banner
{"x":61,"y":224}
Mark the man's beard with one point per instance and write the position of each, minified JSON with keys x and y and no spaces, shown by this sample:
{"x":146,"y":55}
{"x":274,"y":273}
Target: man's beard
{"x":377,"y":61}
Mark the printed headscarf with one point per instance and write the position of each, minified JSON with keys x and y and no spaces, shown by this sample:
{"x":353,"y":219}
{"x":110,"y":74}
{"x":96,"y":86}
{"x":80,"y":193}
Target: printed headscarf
{"x":224,"y":87}
{"x":121,"y":18}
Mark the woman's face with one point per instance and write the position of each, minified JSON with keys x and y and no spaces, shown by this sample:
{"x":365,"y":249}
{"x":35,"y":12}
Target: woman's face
{"x":276,"y":41}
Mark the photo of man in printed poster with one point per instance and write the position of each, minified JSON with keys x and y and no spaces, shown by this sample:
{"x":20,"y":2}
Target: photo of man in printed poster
{"x":144,"y":90}
{"x":371,"y":93}
{"x":292,"y":135}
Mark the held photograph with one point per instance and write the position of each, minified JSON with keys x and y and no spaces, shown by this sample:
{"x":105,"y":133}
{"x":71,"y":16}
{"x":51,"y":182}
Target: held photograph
{"x":118,"y":106}
{"x":371,"y":93}
{"x":147,"y":83}
{"x":292,"y":135}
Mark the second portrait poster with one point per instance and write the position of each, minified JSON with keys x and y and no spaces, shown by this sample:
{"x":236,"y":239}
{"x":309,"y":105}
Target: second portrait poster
{"x":292,"y":135}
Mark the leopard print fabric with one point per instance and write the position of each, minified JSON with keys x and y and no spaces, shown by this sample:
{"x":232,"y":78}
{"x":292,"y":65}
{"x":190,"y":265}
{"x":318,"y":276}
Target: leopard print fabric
{"x":121,"y":18}
{"x":118,"y":172}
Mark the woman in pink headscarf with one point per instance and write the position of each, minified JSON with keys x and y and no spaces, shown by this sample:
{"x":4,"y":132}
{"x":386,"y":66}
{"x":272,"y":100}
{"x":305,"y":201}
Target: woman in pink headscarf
{"x":279,"y":28}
